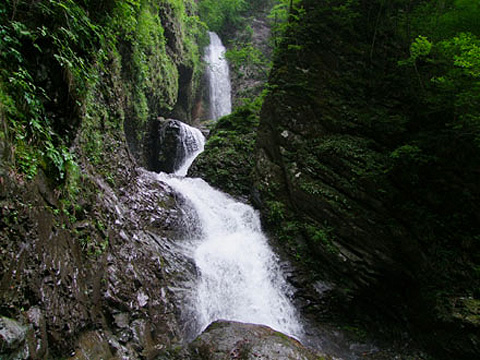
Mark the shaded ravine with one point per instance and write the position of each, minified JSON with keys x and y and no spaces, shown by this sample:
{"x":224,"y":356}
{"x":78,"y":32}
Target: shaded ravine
{"x":238,"y":276}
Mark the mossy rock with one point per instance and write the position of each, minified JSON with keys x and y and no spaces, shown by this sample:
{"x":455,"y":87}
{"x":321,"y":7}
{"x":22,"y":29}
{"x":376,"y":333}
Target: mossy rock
{"x":227,"y":162}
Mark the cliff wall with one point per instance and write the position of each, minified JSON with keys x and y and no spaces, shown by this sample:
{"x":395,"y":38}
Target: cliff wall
{"x":390,"y":235}
{"x":86,"y":238}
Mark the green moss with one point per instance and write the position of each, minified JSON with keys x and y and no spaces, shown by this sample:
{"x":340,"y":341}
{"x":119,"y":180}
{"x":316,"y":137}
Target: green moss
{"x":322,"y":236}
{"x":275,"y":212}
{"x":227,"y":161}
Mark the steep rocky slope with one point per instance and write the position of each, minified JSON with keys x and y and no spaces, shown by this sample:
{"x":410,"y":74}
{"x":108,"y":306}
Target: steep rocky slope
{"x":390,"y":242}
{"x":87,"y":239}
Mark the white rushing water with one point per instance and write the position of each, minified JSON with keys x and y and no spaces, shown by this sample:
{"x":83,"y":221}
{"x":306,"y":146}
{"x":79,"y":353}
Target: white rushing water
{"x":218,"y":78}
{"x":193,"y":143}
{"x":239,"y":276}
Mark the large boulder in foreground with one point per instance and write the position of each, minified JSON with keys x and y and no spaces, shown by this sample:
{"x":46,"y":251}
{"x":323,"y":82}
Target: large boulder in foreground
{"x":233,"y":340}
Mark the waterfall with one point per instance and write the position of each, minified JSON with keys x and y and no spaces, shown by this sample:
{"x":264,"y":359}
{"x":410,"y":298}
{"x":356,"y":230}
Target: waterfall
{"x":192,"y":143}
{"x":218,"y":78}
{"x":239,"y":275}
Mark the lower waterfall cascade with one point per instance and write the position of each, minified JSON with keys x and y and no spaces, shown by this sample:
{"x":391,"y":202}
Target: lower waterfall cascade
{"x":239,"y":277}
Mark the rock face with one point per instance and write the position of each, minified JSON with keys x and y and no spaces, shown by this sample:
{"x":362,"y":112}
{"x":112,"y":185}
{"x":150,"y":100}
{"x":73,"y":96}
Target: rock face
{"x":89,"y":265}
{"x":172,"y":143}
{"x":249,"y":76}
{"x":112,"y":269}
{"x":232,"y":340}
{"x":320,"y":175}
{"x":12,"y":336}
{"x":227,"y":161}
{"x":336,"y":111}
{"x":165,"y":146}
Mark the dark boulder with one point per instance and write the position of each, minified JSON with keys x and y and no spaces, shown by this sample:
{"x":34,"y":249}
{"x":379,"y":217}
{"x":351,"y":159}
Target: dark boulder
{"x":171,"y":143}
{"x":233,"y":340}
{"x":164,"y":149}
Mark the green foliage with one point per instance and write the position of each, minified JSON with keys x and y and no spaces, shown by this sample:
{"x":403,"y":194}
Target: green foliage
{"x":450,"y":71}
{"x":409,"y":153}
{"x":275,"y":212}
{"x":247,"y":56}
{"x":435,"y":163}
{"x":421,"y":47}
{"x":32,"y":135}
{"x":466,"y":53}
{"x":444,"y":19}
{"x":154,"y":68}
{"x":52,"y":55}
{"x":227,"y":161}
{"x":284,"y":15}
{"x":322,"y":236}
{"x":458,"y":83}
{"x":95,"y":244}
{"x":218,"y":14}
{"x":225,"y":16}
{"x":283,"y":10}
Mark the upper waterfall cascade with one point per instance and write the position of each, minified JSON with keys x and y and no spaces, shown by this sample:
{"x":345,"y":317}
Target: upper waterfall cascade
{"x":218,"y":78}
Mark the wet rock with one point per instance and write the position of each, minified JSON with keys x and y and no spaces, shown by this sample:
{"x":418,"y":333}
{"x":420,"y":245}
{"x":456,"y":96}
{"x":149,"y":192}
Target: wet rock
{"x":122,"y":320}
{"x":37,"y":338}
{"x":233,"y":340}
{"x":92,"y":250}
{"x":110,"y":271}
{"x":92,"y":345}
{"x":12,"y":334}
{"x":247,"y":78}
{"x":165,"y":150}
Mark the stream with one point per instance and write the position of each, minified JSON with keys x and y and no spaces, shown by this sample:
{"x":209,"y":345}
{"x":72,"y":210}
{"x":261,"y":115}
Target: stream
{"x":239,"y":277}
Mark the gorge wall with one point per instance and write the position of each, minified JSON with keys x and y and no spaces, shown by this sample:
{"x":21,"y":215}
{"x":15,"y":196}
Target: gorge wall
{"x":87,"y":239}
{"x":359,"y":170}
{"x":338,"y":191}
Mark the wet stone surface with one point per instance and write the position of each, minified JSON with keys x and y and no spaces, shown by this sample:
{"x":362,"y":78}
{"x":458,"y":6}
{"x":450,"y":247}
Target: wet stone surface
{"x":113,"y":270}
{"x":247,"y":341}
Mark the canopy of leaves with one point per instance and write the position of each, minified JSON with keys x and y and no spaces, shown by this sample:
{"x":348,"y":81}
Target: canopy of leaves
{"x":220,"y":13}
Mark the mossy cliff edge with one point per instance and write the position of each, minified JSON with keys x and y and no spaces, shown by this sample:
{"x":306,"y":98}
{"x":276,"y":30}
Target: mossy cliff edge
{"x":84,"y":235}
